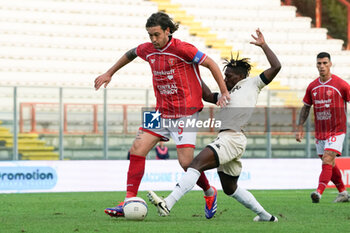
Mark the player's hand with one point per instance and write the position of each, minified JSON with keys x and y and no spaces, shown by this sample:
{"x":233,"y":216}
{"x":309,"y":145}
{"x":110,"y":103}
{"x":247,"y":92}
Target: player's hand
{"x":299,"y":134}
{"x":224,"y":99}
{"x":102,"y":79}
{"x":259,"y":38}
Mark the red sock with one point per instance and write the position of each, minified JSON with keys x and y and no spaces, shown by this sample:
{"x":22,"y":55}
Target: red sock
{"x":337,"y":179}
{"x":135,"y":174}
{"x":325,"y":177}
{"x":203,"y":182}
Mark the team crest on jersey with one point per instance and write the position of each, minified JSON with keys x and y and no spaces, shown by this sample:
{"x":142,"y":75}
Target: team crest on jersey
{"x":171,"y":61}
{"x":329,"y":92}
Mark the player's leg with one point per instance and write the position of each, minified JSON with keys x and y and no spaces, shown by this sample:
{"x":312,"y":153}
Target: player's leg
{"x":185,"y":139}
{"x":185,"y":157}
{"x":328,"y":160}
{"x":335,"y":144}
{"x":205,"y":160}
{"x":315,"y":195}
{"x":142,"y":144}
{"x":243,"y":196}
{"x":332,"y":147}
{"x":337,"y":180}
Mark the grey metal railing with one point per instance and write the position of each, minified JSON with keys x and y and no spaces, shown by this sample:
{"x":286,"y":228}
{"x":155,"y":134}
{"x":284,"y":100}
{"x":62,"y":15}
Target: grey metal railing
{"x":107,"y":98}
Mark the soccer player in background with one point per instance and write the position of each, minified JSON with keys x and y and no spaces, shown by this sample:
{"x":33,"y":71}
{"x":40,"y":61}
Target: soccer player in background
{"x":225,"y":152}
{"x":178,"y":91}
{"x":328,"y":94}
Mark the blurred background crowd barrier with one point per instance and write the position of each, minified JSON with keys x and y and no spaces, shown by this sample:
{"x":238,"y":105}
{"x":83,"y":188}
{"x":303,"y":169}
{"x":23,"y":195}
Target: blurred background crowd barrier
{"x":81,"y":123}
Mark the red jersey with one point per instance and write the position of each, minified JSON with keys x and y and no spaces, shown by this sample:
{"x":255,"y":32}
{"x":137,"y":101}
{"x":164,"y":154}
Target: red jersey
{"x":329,"y":100}
{"x":176,"y":78}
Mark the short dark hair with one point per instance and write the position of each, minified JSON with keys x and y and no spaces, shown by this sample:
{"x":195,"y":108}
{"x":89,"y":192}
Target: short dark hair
{"x":163,"y":20}
{"x":239,"y":66}
{"x":323,"y":55}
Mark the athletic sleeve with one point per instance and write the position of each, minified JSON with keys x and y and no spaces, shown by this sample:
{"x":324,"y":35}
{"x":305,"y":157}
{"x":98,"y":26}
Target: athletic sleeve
{"x":260,"y":81}
{"x":141,"y":51}
{"x":192,"y":54}
{"x":346,"y":91}
{"x":307,"y":98}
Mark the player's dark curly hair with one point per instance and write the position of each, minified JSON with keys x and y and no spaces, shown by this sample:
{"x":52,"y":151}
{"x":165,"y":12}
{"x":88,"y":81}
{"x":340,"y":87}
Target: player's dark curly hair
{"x":323,"y":55}
{"x":239,"y":66}
{"x":163,"y":20}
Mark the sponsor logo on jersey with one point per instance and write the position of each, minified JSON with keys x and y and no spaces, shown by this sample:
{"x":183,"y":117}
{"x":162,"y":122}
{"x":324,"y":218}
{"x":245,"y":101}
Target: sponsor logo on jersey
{"x":235,"y":89}
{"x":167,"y":89}
{"x":163,"y":72}
{"x":323,"y":101}
{"x":324,"y":115}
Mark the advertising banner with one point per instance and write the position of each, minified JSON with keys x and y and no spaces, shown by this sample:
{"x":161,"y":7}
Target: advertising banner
{"x":110,"y":175}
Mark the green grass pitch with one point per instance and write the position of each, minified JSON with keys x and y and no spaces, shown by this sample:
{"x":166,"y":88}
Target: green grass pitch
{"x":83,"y":212}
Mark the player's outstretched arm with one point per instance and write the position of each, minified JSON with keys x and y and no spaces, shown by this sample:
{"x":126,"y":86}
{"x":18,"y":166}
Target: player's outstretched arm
{"x":275,"y":64}
{"x":207,"y":95}
{"x":304,"y":113}
{"x":107,"y":77}
{"x":215,"y":71}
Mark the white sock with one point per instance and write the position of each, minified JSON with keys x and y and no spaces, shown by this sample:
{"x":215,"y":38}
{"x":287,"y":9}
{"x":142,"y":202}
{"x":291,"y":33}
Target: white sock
{"x":248,"y":200}
{"x":185,"y":184}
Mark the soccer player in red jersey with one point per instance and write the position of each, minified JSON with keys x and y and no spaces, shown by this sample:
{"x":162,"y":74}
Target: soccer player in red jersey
{"x":178,"y":90}
{"x":328,"y":94}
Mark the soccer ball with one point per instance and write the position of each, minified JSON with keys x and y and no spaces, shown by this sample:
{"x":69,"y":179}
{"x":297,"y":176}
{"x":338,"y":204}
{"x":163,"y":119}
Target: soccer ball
{"x":135,"y":208}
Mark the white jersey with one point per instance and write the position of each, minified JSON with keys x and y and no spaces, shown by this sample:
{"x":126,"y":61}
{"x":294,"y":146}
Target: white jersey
{"x":244,"y":96}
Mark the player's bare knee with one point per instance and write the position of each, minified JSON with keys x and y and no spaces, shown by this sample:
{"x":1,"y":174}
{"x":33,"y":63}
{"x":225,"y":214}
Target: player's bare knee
{"x":329,"y":157}
{"x":196,"y":164}
{"x":184,"y":165}
{"x":229,"y":189}
{"x":138,"y":148}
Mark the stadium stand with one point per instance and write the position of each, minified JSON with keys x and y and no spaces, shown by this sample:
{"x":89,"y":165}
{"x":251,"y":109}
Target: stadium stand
{"x":293,"y":39}
{"x":69,"y":43}
{"x":29,"y":146}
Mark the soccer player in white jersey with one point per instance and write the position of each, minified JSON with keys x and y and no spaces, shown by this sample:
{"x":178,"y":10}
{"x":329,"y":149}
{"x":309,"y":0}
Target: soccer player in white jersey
{"x":178,"y":91}
{"x":225,"y":152}
{"x":329,"y":95}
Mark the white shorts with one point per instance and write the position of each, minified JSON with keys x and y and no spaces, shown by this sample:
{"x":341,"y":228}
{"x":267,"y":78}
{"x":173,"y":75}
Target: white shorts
{"x":183,"y":137}
{"x":333,"y":143}
{"x":229,"y":148}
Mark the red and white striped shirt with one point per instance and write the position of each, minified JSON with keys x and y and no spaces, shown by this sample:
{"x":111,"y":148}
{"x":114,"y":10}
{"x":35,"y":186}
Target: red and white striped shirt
{"x":329,"y":102}
{"x":176,"y":78}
